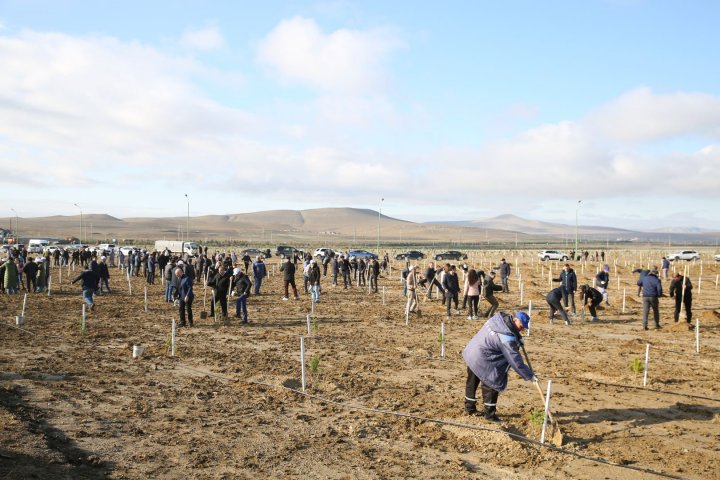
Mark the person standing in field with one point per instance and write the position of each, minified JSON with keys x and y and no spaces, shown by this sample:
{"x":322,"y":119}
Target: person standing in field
{"x":411,"y":282}
{"x":259,"y":272}
{"x":186,"y":297}
{"x":471,"y":291}
{"x":651,"y":291}
{"x":288,"y":271}
{"x":243,"y":284}
{"x":681,"y":291}
{"x":505,"y":270}
{"x":602,"y":280}
{"x":665,"y":267}
{"x":568,"y":285}
{"x":489,"y":356}
{"x":451,"y":286}
{"x":314,"y":279}
{"x":104,"y":275}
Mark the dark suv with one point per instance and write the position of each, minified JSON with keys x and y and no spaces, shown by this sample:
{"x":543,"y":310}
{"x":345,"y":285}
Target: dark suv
{"x":283,"y":251}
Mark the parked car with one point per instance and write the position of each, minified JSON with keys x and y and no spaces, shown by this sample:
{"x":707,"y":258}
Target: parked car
{"x":410,"y":255}
{"x":717,"y":258}
{"x":322,"y":252}
{"x":253,"y":252}
{"x":128,"y":248}
{"x":364,"y":254}
{"x":684,"y":255}
{"x":553,"y":255}
{"x":450,"y":255}
{"x":283,"y":251}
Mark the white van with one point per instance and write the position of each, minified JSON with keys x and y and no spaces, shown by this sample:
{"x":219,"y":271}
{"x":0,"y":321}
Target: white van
{"x":36,"y":245}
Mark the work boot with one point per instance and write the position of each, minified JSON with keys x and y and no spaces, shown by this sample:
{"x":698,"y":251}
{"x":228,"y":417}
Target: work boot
{"x":493,"y":418}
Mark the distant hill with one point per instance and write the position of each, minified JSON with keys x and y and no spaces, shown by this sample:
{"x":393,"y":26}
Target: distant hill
{"x":517,"y":224}
{"x":338,"y":227}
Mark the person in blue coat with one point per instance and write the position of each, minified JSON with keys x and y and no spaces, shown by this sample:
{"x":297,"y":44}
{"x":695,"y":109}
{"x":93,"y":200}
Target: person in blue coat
{"x":651,"y":288}
{"x":259,"y":272}
{"x":489,"y":356}
{"x":186,"y":296}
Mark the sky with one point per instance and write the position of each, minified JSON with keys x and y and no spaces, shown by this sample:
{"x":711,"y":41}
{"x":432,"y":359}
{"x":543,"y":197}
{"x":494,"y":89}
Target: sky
{"x":456,"y":110}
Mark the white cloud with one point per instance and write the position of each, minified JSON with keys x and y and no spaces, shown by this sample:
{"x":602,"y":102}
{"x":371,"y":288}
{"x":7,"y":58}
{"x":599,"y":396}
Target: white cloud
{"x":344,"y":60}
{"x":208,"y":38}
{"x":642,"y":115}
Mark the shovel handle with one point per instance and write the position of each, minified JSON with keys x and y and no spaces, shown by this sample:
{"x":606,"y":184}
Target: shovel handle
{"x":537,"y":385}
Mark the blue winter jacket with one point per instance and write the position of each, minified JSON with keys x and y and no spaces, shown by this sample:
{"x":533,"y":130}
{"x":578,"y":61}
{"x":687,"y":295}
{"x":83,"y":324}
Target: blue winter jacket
{"x":651,"y":286}
{"x":186,"y":288}
{"x":568,"y":280}
{"x":259,"y":270}
{"x":493,"y":350}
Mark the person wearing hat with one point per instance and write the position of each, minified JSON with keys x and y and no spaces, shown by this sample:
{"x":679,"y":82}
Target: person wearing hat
{"x":489,"y":289}
{"x":602,"y":282}
{"x":243,"y":285}
{"x":489,"y":356}
{"x":505,"y":270}
{"x":681,"y":291}
{"x":288,"y":270}
{"x":651,"y":288}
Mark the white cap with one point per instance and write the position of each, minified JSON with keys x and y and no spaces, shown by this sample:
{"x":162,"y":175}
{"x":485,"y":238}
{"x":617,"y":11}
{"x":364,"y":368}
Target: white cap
{"x":102,"y":258}
{"x":179,"y":262}
{"x":236,"y":270}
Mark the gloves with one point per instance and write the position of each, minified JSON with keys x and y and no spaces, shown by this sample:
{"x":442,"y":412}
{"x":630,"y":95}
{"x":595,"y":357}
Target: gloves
{"x":534,"y":379}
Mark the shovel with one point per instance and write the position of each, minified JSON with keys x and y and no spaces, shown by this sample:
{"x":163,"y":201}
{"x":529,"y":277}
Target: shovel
{"x":203,"y":313}
{"x":555,"y":434}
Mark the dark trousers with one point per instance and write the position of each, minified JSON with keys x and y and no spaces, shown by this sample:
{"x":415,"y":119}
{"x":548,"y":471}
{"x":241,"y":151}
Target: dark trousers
{"x":151,"y":278}
{"x":493,"y":306}
{"x":569,"y":295}
{"x":648,"y":303}
{"x":593,"y":306}
{"x":222,"y":299}
{"x":373,"y":283}
{"x":504,"y":280}
{"x":288,"y":283}
{"x":473,"y":305}
{"x":31,"y":282}
{"x":107,"y":284}
{"x":490,"y":396}
{"x":436,"y":283}
{"x":556,"y":307}
{"x":688,"y":308}
{"x":183,"y":307}
{"x":449,"y":298}
{"x":241,"y":306}
{"x":346,"y":279}
{"x":361,"y":279}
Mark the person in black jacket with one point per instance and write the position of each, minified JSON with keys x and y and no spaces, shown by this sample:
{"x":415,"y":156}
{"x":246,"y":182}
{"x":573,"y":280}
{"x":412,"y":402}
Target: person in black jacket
{"x":242,"y":285}
{"x":89,"y":284}
{"x":222,"y":287}
{"x":593,"y":296}
{"x":568,"y":285}
{"x":344,"y":265}
{"x":288,"y":269}
{"x":553,"y":299}
{"x":451,"y":285}
{"x":430,"y":277}
{"x":489,"y":289}
{"x":104,"y":275}
{"x":30,"y":269}
{"x":374,"y":273}
{"x":676,"y":291}
{"x":505,"y":270}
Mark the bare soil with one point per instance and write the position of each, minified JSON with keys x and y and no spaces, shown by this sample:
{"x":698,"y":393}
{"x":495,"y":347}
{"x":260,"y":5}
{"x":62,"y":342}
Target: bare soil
{"x":382,"y":403}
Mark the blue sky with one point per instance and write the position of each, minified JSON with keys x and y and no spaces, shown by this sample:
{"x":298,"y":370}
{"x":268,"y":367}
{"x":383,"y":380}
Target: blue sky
{"x":456,"y":111}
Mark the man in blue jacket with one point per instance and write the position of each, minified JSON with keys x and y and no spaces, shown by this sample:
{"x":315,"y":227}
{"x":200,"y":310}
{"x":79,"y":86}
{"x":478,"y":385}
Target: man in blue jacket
{"x":489,"y":356}
{"x":186,"y":296}
{"x":651,"y":291}
{"x":259,"y":272}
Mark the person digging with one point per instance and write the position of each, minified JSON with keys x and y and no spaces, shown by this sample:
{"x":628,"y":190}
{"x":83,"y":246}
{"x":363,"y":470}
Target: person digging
{"x":489,"y":356}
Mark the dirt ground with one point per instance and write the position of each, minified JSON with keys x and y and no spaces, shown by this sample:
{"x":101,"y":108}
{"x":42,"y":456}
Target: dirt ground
{"x":381,"y":402}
